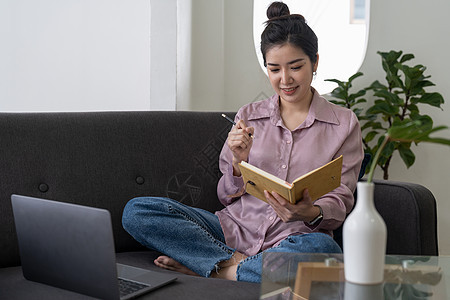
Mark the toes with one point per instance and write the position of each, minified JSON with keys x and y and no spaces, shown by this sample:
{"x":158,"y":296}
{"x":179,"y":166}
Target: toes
{"x":168,"y":263}
{"x":163,"y":264}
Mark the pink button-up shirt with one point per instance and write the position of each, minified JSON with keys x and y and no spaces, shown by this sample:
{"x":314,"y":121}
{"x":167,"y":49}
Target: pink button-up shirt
{"x":251,"y":225}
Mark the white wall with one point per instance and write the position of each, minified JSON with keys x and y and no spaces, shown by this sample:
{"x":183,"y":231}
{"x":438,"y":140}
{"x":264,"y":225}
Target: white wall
{"x":184,"y":53}
{"x":421,"y":28}
{"x":85,"y":55}
{"x":224,"y":71}
{"x":163,"y":55}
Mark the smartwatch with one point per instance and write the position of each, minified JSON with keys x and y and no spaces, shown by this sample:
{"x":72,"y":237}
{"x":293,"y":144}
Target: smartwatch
{"x":317,"y":219}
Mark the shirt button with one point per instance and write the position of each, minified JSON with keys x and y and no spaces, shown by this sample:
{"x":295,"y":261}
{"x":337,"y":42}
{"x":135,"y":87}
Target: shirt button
{"x":270,"y":218}
{"x":288,"y":142}
{"x":283,"y":166}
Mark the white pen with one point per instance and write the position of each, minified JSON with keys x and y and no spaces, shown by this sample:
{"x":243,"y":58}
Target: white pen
{"x":234,"y":123}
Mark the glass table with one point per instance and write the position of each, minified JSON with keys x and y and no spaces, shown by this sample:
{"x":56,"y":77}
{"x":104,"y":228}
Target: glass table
{"x":295,"y":276}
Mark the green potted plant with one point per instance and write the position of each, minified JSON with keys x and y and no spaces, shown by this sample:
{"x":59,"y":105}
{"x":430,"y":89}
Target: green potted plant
{"x":395,"y":121}
{"x":396,"y":104}
{"x":364,"y":231}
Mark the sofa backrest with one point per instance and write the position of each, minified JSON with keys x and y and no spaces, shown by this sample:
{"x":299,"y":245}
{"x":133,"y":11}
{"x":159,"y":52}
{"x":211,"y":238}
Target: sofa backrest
{"x":103,"y":159}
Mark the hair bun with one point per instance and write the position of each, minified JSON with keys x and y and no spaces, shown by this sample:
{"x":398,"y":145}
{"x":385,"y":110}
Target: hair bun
{"x":277,"y":9}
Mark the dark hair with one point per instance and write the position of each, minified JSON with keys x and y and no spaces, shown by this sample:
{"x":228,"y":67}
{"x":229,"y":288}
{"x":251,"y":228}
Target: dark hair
{"x":282,"y":28}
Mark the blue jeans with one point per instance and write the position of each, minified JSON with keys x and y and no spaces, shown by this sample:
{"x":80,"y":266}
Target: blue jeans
{"x":194,"y":237}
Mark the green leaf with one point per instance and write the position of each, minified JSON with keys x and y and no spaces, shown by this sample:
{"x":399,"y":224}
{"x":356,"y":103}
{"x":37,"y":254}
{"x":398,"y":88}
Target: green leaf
{"x":433,"y":99}
{"x":390,"y":97}
{"x":340,"y":83}
{"x":389,"y":62}
{"x":357,"y":111}
{"x":389,"y":59}
{"x":406,"y":154}
{"x":339,"y":93}
{"x":370,"y":117}
{"x":357,"y":94}
{"x":424,"y":83}
{"x":376,"y":85}
{"x":406,"y":130}
{"x":412,"y":75}
{"x":383,"y":108}
{"x":426,"y":122}
{"x":356,"y":75}
{"x":438,"y":128}
{"x":372,"y":124}
{"x":416,"y":131}
{"x":386,"y":152}
{"x":413,"y":108}
{"x":441,"y":141}
{"x":370,"y":136}
{"x":411,"y":72}
{"x":389,"y":146}
{"x":343,"y":92}
{"x":338,"y":102}
{"x":406,"y":57}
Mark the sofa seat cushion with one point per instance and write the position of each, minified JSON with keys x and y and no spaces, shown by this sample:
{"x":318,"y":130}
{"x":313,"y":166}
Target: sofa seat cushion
{"x":15,"y":286}
{"x":190,"y":287}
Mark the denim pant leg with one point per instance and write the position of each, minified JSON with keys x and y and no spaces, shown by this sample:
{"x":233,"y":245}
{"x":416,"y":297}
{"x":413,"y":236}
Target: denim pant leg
{"x":250,"y":269}
{"x":189,"y":235}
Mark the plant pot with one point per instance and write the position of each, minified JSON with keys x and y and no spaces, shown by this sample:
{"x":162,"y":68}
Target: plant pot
{"x":364,"y":240}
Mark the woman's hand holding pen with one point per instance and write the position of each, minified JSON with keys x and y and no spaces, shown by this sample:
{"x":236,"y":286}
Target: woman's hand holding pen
{"x":240,"y":142}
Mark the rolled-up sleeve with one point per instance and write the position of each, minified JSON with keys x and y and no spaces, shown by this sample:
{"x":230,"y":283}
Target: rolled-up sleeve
{"x":338,"y":203}
{"x":229,"y":187}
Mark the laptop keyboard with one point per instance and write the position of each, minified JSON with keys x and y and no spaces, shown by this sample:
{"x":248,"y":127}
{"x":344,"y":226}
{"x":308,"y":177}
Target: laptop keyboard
{"x":127,"y":287}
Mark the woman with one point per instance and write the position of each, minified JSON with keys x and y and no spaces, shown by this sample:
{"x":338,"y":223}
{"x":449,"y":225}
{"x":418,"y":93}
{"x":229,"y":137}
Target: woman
{"x":288,"y":135}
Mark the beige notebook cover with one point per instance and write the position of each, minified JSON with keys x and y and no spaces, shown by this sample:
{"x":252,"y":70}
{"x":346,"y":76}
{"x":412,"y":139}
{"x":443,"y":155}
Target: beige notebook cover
{"x":318,"y":182}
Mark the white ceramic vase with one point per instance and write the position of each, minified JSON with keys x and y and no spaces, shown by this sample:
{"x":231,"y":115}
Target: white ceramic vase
{"x":364,"y":240}
{"x":363,"y":292}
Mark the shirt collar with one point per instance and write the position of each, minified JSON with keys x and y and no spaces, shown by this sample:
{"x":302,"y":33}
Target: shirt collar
{"x":320,"y":110}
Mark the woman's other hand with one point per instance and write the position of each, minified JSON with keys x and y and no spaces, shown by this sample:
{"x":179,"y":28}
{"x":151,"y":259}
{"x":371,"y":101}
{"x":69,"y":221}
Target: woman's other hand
{"x":240,"y":142}
{"x":304,"y":210}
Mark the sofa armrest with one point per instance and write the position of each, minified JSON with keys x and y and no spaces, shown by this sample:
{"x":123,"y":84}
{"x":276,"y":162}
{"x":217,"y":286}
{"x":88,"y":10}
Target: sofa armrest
{"x":409,"y":211}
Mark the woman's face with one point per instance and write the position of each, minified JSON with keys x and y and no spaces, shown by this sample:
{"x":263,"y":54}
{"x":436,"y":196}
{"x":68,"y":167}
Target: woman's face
{"x":290,"y":73}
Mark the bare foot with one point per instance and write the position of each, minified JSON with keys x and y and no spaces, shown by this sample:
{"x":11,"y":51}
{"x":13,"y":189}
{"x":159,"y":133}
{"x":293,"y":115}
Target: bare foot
{"x":228,"y":273}
{"x":228,"y":268}
{"x":168,"y":263}
{"x":235,"y":259}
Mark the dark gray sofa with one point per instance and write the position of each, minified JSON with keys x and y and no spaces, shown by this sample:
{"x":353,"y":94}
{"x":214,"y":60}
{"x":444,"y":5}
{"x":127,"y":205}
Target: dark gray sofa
{"x":103,"y":159}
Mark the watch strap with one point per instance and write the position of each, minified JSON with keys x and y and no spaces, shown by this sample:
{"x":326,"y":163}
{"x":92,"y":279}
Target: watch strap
{"x":317,"y":219}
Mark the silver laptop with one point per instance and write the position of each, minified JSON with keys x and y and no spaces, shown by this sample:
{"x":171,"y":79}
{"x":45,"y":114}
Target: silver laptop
{"x":72,"y":247}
